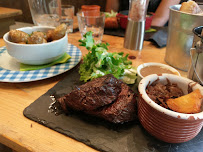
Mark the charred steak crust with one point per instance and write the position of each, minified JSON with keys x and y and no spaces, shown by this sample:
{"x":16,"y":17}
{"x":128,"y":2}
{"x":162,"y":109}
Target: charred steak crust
{"x":123,"y":109}
{"x":94,"y":94}
{"x":105,"y":97}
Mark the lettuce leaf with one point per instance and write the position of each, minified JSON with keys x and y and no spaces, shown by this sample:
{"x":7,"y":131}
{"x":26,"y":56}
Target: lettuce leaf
{"x":99,"y":62}
{"x":111,"y":14}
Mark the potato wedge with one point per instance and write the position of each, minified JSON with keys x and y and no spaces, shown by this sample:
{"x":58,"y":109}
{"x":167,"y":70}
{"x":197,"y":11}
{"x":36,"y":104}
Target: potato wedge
{"x":190,"y":103}
{"x":17,"y":36}
{"x":59,"y":32}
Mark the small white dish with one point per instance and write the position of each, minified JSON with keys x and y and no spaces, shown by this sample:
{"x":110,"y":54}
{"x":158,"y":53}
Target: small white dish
{"x":141,"y":66}
{"x":36,"y":54}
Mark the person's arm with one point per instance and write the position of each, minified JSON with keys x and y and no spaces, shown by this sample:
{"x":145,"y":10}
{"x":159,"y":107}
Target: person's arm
{"x":112,"y":5}
{"x":162,"y":13}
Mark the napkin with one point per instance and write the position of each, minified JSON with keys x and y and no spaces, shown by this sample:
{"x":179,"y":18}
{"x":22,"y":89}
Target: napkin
{"x":160,"y":38}
{"x":63,"y":59}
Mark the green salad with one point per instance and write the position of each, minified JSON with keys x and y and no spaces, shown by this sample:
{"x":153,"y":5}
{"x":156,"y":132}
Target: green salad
{"x":99,"y":62}
{"x":111,"y":14}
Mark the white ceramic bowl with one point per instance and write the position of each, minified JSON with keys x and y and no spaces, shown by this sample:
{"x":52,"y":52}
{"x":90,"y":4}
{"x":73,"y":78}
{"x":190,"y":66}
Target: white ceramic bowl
{"x":36,"y":54}
{"x":164,"y":124}
{"x":154,"y":64}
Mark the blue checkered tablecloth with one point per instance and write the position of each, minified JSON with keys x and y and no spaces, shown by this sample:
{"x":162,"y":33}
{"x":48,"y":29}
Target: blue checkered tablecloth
{"x":27,"y":76}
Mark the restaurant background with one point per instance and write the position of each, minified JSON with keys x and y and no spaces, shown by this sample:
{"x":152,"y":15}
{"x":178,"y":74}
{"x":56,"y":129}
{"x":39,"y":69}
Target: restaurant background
{"x":26,"y":16}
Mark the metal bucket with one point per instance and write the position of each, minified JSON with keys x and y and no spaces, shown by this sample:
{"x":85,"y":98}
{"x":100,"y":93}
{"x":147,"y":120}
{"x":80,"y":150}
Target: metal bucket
{"x":196,"y":65}
{"x":180,"y":37}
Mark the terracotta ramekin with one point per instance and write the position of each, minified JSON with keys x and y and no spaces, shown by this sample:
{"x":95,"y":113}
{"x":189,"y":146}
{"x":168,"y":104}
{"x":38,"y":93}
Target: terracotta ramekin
{"x":91,"y":10}
{"x":164,"y":124}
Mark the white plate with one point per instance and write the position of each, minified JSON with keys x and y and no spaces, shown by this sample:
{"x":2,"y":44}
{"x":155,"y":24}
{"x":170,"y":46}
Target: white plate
{"x":10,"y":68}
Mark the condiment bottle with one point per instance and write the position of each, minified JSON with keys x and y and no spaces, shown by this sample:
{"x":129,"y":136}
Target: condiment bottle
{"x":134,"y":35}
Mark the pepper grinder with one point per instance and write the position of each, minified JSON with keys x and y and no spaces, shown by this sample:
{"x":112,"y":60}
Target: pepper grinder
{"x":134,"y":35}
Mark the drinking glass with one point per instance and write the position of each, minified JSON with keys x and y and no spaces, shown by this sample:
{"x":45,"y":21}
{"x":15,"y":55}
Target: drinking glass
{"x":89,"y":21}
{"x":67,"y":15}
{"x":45,"y":12}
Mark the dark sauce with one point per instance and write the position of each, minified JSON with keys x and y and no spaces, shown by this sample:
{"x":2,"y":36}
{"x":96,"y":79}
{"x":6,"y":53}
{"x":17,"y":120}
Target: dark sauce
{"x":132,"y":57}
{"x":154,"y":69}
{"x":55,"y":106}
{"x":168,"y":91}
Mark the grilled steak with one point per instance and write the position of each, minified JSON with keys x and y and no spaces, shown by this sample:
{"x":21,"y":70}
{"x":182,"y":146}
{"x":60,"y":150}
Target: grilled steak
{"x":94,"y":94}
{"x":105,"y":97}
{"x":123,"y":109}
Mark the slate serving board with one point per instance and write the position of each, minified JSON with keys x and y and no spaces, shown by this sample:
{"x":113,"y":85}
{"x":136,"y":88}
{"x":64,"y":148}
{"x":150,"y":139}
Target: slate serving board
{"x":96,"y":133}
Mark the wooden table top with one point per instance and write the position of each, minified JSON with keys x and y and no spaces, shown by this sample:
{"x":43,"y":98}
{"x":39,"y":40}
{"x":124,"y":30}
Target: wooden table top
{"x":22,"y":134}
{"x":9,"y":12}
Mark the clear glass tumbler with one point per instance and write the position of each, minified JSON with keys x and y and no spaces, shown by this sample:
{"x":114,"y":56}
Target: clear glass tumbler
{"x":89,"y":21}
{"x":67,"y":16}
{"x":45,"y":12}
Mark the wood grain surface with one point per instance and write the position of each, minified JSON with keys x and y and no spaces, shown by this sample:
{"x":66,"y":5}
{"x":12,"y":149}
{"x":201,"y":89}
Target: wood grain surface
{"x":9,"y":12}
{"x":7,"y":18}
{"x":24,"y":135}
